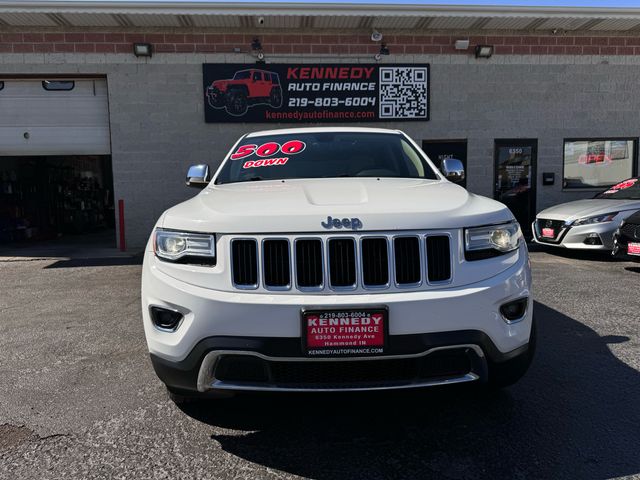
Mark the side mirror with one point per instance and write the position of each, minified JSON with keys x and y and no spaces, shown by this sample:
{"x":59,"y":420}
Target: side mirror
{"x":453,"y":170}
{"x":198,"y":176}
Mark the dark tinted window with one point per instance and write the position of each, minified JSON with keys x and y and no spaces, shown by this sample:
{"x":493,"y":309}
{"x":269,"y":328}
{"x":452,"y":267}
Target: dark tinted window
{"x":627,"y":190}
{"x":242,"y":75}
{"x":63,"y":85}
{"x":324,"y":155}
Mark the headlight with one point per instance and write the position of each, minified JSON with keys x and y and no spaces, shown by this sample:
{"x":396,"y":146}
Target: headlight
{"x":492,"y":240}
{"x":607,"y":217}
{"x":173,"y":246}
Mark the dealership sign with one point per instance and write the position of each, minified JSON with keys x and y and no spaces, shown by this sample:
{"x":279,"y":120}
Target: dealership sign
{"x":315,"y":93}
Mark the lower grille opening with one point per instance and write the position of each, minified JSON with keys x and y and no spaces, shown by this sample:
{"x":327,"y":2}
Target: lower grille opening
{"x":343,"y":374}
{"x":242,"y":368}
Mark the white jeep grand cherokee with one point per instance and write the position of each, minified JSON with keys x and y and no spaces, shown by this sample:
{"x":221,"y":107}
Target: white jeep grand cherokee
{"x":324,"y":259}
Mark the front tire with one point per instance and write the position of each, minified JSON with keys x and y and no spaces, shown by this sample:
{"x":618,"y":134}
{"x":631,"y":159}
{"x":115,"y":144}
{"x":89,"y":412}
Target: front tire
{"x":507,"y":373}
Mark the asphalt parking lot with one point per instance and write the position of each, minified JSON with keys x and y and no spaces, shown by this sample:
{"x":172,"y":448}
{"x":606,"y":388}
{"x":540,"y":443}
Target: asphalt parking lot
{"x":79,"y":399}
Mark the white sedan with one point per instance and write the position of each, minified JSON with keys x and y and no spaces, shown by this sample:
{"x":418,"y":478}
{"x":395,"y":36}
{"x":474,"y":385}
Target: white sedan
{"x":588,"y":224}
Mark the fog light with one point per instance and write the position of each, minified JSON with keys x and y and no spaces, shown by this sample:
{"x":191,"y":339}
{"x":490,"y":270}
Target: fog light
{"x":165,"y":319}
{"x":514,"y":310}
{"x":593,"y":239}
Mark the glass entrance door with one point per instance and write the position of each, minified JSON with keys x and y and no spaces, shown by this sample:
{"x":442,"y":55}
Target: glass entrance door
{"x":515,"y":167}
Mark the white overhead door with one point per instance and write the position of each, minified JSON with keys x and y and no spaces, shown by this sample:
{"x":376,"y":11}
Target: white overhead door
{"x":54,"y":117}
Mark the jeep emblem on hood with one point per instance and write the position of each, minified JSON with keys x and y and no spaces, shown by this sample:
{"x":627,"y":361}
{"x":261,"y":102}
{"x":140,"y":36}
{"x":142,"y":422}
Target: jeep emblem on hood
{"x":352,"y":223}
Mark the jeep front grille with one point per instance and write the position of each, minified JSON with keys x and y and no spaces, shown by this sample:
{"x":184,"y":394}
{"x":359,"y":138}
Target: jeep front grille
{"x":309,"y":263}
{"x":341,"y":263}
{"x":244,"y":254}
{"x":407,"y":257}
{"x":277,"y":271}
{"x":438,"y":258}
{"x":375,"y":262}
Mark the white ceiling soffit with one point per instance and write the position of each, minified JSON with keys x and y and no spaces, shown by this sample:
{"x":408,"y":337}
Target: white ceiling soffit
{"x":215,"y":21}
{"x":340,"y":16}
{"x":562,"y":23}
{"x":279,"y":21}
{"x":509,"y":23}
{"x":89,"y":20}
{"x":337,"y":22}
{"x":28,"y":19}
{"x":616,"y":24}
{"x":395,"y":22}
{"x":154,"y":20}
{"x":454,"y":23}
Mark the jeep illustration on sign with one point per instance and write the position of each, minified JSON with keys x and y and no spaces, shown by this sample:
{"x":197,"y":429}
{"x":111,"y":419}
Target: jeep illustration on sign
{"x":246,"y":88}
{"x":315,"y":93}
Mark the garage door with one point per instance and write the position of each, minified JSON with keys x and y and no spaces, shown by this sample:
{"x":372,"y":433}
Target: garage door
{"x":54,"y":117}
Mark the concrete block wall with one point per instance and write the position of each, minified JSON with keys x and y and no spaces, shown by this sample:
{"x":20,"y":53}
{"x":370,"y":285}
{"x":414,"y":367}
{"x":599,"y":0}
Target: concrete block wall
{"x":157,"y":107}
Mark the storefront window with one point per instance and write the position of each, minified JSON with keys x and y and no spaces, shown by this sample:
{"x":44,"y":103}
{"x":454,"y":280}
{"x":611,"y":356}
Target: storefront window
{"x":597,"y":163}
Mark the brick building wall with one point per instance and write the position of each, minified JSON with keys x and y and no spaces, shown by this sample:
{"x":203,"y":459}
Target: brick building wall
{"x":545,"y":87}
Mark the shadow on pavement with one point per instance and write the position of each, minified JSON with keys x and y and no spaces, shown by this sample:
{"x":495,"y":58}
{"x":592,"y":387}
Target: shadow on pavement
{"x":97,"y":262}
{"x":592,"y":255}
{"x":576,"y":414}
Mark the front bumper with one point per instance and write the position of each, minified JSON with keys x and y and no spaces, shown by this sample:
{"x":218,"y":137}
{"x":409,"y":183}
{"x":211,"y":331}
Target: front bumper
{"x":462,"y":320}
{"x":414,"y":361}
{"x":620,"y":247}
{"x":576,"y":237}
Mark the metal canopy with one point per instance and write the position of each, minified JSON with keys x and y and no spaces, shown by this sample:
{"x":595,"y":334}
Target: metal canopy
{"x":342,"y":16}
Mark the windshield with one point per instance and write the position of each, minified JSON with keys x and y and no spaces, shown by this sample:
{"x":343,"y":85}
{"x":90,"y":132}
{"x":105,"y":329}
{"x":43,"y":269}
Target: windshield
{"x":324,"y":155}
{"x":627,"y":190}
{"x":242,"y":75}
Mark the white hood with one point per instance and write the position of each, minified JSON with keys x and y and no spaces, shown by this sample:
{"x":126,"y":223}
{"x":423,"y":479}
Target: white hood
{"x":301,"y":205}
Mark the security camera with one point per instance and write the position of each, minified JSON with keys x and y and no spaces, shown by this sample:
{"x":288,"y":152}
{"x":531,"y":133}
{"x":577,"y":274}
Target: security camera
{"x":260,"y":20}
{"x":260,"y":56}
{"x":376,"y":36}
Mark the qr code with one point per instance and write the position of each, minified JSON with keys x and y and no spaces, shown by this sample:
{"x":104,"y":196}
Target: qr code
{"x":403,"y":92}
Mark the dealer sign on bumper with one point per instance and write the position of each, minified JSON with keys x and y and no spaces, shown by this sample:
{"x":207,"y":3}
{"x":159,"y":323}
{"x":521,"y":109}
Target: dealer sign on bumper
{"x":344,"y":332}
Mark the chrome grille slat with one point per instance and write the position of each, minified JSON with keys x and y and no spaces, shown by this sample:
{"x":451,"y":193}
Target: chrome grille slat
{"x":349,"y":262}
